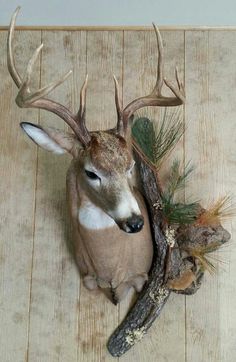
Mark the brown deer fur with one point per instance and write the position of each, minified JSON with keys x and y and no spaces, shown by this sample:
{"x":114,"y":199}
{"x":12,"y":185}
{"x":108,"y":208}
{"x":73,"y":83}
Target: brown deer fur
{"x":109,"y":257}
{"x":106,"y":211}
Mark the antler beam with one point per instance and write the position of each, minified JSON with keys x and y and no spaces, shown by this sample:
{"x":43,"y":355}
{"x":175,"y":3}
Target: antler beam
{"x":155,"y":98}
{"x":26,"y":99}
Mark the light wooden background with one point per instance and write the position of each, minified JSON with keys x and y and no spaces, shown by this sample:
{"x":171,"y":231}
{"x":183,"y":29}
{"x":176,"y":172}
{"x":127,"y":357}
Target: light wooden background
{"x":45,"y":312}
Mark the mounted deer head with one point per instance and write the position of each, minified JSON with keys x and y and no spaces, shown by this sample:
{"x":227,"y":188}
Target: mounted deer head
{"x":103,"y":158}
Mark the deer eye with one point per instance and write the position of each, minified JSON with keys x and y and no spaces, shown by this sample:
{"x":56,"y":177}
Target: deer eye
{"x":91,"y":175}
{"x":130,"y":170}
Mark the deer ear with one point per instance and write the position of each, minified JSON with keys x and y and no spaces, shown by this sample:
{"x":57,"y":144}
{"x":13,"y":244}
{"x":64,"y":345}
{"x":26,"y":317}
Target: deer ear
{"x":52,"y":139}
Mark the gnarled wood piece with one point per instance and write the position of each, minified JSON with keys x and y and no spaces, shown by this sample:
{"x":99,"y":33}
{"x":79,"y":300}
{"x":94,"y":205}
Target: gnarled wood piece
{"x":191,"y":241}
{"x":211,"y":237}
{"x":156,"y":291}
{"x":154,"y":295}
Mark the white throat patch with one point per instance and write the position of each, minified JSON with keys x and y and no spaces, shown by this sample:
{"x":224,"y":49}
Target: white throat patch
{"x":94,"y":218}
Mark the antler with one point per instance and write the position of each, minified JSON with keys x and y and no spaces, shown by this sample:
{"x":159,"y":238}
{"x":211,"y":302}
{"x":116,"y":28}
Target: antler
{"x":155,"y":98}
{"x":26,"y":99}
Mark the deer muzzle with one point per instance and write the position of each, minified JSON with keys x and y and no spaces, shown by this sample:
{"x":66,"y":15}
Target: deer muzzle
{"x":126,"y":211}
{"x":132,"y":224}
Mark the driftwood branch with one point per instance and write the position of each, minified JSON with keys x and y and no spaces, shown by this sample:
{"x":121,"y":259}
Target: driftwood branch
{"x":154,"y":295}
{"x":175,"y":268}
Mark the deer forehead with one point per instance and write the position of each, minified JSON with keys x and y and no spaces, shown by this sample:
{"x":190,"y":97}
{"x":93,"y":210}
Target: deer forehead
{"x":109,"y":153}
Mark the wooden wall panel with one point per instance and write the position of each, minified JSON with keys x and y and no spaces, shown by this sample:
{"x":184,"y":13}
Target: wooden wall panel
{"x":17,"y":199}
{"x":210,"y":136}
{"x":98,"y":316}
{"x":46,"y":313}
{"x":140,"y":61}
{"x":203,"y":332}
{"x":222,"y":83}
{"x":55,"y":281}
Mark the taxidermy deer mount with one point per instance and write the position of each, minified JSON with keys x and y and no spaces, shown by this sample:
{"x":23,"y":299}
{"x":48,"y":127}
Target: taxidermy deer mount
{"x":115,"y":237}
{"x":112,"y":237}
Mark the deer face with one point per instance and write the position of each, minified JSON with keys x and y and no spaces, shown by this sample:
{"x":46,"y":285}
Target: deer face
{"x":104,"y":160}
{"x":104,"y":171}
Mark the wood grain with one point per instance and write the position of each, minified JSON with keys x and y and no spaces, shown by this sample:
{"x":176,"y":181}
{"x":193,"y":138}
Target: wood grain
{"x":222,"y":83}
{"x":210,"y":111}
{"x":203,"y":332}
{"x":46,"y":314}
{"x":55,"y":283}
{"x":17,"y":197}
{"x":118,"y":28}
{"x":98,"y":317}
{"x":140,"y":61}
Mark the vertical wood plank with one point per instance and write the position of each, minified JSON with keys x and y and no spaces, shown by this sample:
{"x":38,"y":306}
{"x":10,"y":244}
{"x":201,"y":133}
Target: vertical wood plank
{"x":55,"y":280}
{"x":203,"y":334}
{"x":49,"y":317}
{"x":222,"y":85}
{"x":98,"y":317}
{"x":210,"y":115}
{"x":140,"y":63}
{"x":17,"y":189}
{"x":104,"y":58}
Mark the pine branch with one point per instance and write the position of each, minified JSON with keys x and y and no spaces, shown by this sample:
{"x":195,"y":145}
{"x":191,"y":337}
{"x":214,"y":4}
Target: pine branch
{"x":156,"y":143}
{"x":221,"y":209}
{"x":177,"y":179}
{"x":178,"y":213}
{"x":144,"y":135}
{"x":167,"y":136}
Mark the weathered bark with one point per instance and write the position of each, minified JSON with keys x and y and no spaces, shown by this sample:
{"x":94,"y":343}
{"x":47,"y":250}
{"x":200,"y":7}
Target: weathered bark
{"x":168,"y":265}
{"x":154,"y":295}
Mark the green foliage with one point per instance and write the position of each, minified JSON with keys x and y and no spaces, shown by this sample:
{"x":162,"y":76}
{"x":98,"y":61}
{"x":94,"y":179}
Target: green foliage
{"x":178,"y":213}
{"x":177,"y":179}
{"x":157,"y":142}
{"x":144,"y":134}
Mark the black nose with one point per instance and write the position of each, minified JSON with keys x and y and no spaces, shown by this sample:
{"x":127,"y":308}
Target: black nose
{"x":134,"y":224}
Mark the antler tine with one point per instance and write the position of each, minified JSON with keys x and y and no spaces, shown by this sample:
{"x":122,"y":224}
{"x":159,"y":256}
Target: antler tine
{"x":26,"y":99}
{"x":179,"y":93}
{"x":10,"y":58}
{"x":155,"y":98}
{"x":82,"y":108}
{"x":160,"y":79}
{"x":49,"y":88}
{"x":118,"y":106}
{"x":80,"y":118}
{"x":177,"y":77}
{"x":24,"y":93}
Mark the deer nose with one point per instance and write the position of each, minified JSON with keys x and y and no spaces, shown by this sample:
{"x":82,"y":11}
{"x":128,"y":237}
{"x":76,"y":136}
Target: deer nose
{"x":134,"y":224}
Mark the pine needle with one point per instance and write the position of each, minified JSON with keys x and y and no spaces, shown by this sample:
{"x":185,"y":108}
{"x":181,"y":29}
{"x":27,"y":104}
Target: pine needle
{"x":168,"y":133}
{"x":206,"y":264}
{"x":144,"y":135}
{"x":220,"y":210}
{"x":178,"y":213}
{"x":177,"y":179}
{"x":199,"y":254}
{"x":156,"y":143}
